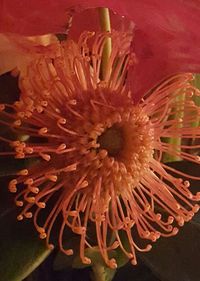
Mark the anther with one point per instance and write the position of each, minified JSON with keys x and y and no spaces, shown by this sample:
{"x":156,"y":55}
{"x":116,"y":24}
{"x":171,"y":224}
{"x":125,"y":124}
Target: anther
{"x":44,"y":103}
{"x":69,"y":252}
{"x":51,"y":177}
{"x":62,"y":121}
{"x":40,"y":109}
{"x":195,"y":208}
{"x":42,"y":131}
{"x":28,"y":215}
{"x":50,"y":246}
{"x":19,"y":203}
{"x":45,"y":156}
{"x":29,"y":150}
{"x":12,"y":186}
{"x":61,"y":147}
{"x":175,"y":231}
{"x":29,"y":181}
{"x":20,"y":156}
{"x":112,"y":263}
{"x":33,"y":189}
{"x":41,"y":205}
{"x":2,"y":107}
{"x":30,"y":199}
{"x":17,"y":123}
{"x":20,"y":217}
{"x":86,"y":260}
{"x":23,"y":172}
{"x":42,"y":235}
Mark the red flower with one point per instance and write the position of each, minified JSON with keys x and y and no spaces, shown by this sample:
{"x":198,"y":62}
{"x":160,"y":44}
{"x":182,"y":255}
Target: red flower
{"x":166,"y":37}
{"x":100,"y":153}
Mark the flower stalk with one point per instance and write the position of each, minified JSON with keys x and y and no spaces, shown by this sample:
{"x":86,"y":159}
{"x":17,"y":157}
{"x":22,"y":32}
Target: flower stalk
{"x":104,"y":18}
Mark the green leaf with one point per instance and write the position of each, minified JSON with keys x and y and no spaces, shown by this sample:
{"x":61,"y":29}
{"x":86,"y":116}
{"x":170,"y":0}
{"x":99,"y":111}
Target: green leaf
{"x":21,"y":251}
{"x":176,"y":258}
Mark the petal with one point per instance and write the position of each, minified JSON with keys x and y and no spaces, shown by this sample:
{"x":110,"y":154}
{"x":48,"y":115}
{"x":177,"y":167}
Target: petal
{"x":166,"y":38}
{"x":17,"y":51}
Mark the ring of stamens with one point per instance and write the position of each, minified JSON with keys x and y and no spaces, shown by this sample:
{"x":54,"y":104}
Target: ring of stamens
{"x":71,"y":119}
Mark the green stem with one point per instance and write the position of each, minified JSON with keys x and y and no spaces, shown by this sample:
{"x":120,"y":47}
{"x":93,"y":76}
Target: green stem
{"x":102,"y":273}
{"x":175,"y":141}
{"x":104,"y":18}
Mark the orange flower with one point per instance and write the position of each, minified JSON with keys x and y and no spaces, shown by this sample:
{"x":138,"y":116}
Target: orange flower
{"x":100,"y":152}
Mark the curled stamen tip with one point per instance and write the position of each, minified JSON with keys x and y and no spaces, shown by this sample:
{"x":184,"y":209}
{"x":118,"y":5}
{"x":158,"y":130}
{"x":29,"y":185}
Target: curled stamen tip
{"x":61,"y":147}
{"x":157,"y":235}
{"x":133,"y":261}
{"x":19,"y":203}
{"x":51,"y":246}
{"x":20,"y":156}
{"x":62,"y":121}
{"x":175,"y":231}
{"x":181,"y":222}
{"x":72,"y":102}
{"x":146,"y":234}
{"x":148,"y":247}
{"x":29,"y":181}
{"x":28,"y":215}
{"x":115,"y":245}
{"x":196,"y":208}
{"x":13,"y":189}
{"x":44,"y":103}
{"x":46,"y":157}
{"x":15,"y":143}
{"x":29,"y":150}
{"x":17,"y":123}
{"x":190,"y":215}
{"x":147,"y":207}
{"x":23,"y":172}
{"x":84,"y":184}
{"x":158,"y":216}
{"x":20,"y":217}
{"x":112,"y":263}
{"x":34,"y":189}
{"x":42,"y":235}
{"x":30,"y":199}
{"x":42,"y":131}
{"x":79,"y":230}
{"x":197,"y":158}
{"x":52,"y":178}
{"x":170,"y":219}
{"x":69,"y":252}
{"x":103,"y":153}
{"x":86,"y":260}
{"x":186,"y":183}
{"x":41,"y":205}
{"x":40,"y":229}
{"x":2,"y":107}
{"x":12,"y":184}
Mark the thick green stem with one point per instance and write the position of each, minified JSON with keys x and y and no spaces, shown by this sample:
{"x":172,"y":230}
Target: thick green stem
{"x":105,"y":26}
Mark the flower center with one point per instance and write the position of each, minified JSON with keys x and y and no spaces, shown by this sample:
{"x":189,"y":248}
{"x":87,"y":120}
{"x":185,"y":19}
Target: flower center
{"x":112,"y":140}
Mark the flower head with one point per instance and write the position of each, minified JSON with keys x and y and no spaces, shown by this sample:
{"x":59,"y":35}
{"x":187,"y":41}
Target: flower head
{"x":98,"y":151}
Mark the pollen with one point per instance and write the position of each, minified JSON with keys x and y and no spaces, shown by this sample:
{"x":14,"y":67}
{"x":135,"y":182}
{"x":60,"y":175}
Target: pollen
{"x":97,"y":153}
